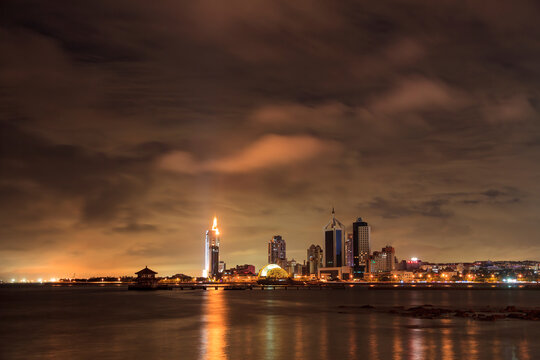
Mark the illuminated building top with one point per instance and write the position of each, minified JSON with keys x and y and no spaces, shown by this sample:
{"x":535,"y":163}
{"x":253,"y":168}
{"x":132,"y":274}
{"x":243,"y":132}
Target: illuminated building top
{"x":214,"y":226}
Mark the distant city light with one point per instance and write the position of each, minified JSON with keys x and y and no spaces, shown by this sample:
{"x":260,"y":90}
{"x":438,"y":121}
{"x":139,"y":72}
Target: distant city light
{"x":414,"y":259}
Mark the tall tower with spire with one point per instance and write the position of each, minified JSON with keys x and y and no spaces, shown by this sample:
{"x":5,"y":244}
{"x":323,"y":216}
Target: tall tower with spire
{"x":334,"y":242}
{"x":211,"y":251}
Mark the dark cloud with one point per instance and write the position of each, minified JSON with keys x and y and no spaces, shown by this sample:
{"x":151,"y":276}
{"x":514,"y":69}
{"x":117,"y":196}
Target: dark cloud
{"x":128,"y":126}
{"x":102,"y":183}
{"x":394,"y":209}
{"x":439,"y":205}
{"x":492,"y":193}
{"x":135,"y":228}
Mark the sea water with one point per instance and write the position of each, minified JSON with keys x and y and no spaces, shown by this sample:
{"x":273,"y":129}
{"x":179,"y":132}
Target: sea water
{"x":109,"y":322}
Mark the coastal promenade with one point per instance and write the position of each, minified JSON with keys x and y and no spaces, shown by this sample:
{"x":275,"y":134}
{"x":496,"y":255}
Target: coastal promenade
{"x":305,"y":286}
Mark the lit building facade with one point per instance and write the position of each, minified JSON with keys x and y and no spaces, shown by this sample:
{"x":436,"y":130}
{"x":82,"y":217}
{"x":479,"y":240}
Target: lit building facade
{"x":314,"y":258}
{"x":402,"y":275}
{"x":361,"y":247}
{"x":277,"y":252}
{"x":384,"y":260}
{"x":335,"y":273}
{"x":334,"y":243}
{"x":349,"y":250}
{"x":211,"y":252}
{"x":413,"y":264}
{"x":246,"y":269}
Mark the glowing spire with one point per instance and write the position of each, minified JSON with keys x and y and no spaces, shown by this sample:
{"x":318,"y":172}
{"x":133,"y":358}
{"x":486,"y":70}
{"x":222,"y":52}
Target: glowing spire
{"x":214,"y":226}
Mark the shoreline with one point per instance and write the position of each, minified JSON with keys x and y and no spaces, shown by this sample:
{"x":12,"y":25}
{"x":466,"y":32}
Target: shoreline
{"x":318,"y":286}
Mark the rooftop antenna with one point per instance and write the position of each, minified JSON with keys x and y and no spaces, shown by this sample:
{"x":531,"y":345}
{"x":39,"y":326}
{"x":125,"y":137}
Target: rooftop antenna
{"x":334,"y":222}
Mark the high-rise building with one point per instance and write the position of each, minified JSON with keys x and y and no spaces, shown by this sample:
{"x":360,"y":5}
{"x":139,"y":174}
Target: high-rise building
{"x":349,"y":258}
{"x":360,"y":247}
{"x":334,"y":244}
{"x":390,"y":257}
{"x":211,"y":252}
{"x":277,"y":253}
{"x":314,"y":258}
{"x":384,"y":260}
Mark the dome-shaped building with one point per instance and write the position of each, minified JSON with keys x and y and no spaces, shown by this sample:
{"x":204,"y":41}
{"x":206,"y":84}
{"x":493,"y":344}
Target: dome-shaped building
{"x":273,"y":272}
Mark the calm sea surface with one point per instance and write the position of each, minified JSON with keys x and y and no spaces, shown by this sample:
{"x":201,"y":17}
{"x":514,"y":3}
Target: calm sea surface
{"x":86,"y":322}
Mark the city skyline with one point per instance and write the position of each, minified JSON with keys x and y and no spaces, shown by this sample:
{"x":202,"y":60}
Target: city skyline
{"x":126,"y":126}
{"x":211,"y":258}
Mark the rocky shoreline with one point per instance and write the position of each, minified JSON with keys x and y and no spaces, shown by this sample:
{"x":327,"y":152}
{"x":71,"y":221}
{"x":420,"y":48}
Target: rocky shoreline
{"x":428,"y":311}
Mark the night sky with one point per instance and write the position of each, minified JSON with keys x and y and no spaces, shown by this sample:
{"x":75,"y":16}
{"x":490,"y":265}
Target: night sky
{"x":126,"y":126}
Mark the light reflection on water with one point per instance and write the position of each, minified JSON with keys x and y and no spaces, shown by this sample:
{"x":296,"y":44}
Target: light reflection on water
{"x":270,"y":333}
{"x":416,"y":344}
{"x":117,"y":324}
{"x":524,"y":350}
{"x":373,"y":337}
{"x":447,"y":343}
{"x":397,"y":345}
{"x":298,"y":337}
{"x":214,"y":326}
{"x":323,"y":343}
{"x":471,"y":347}
{"x":352,"y":342}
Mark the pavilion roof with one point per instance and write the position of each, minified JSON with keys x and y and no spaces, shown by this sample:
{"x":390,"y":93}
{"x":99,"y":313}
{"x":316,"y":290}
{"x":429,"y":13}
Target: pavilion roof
{"x":146,"y":270}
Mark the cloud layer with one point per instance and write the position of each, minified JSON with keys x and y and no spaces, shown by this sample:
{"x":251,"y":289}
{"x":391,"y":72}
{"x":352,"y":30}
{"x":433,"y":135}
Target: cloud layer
{"x":268,"y":152}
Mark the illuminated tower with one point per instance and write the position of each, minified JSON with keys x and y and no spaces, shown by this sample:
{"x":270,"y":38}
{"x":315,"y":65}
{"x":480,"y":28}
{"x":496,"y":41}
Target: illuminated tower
{"x":334,"y":242}
{"x":277,"y":251}
{"x":211,"y":252}
{"x":360,"y":247}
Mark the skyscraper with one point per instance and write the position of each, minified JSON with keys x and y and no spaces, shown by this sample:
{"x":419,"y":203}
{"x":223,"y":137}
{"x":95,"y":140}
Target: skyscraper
{"x":211,"y":252}
{"x":349,"y":250}
{"x":277,"y":251}
{"x":334,"y":243}
{"x":360,"y":247}
{"x":314,"y":258}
